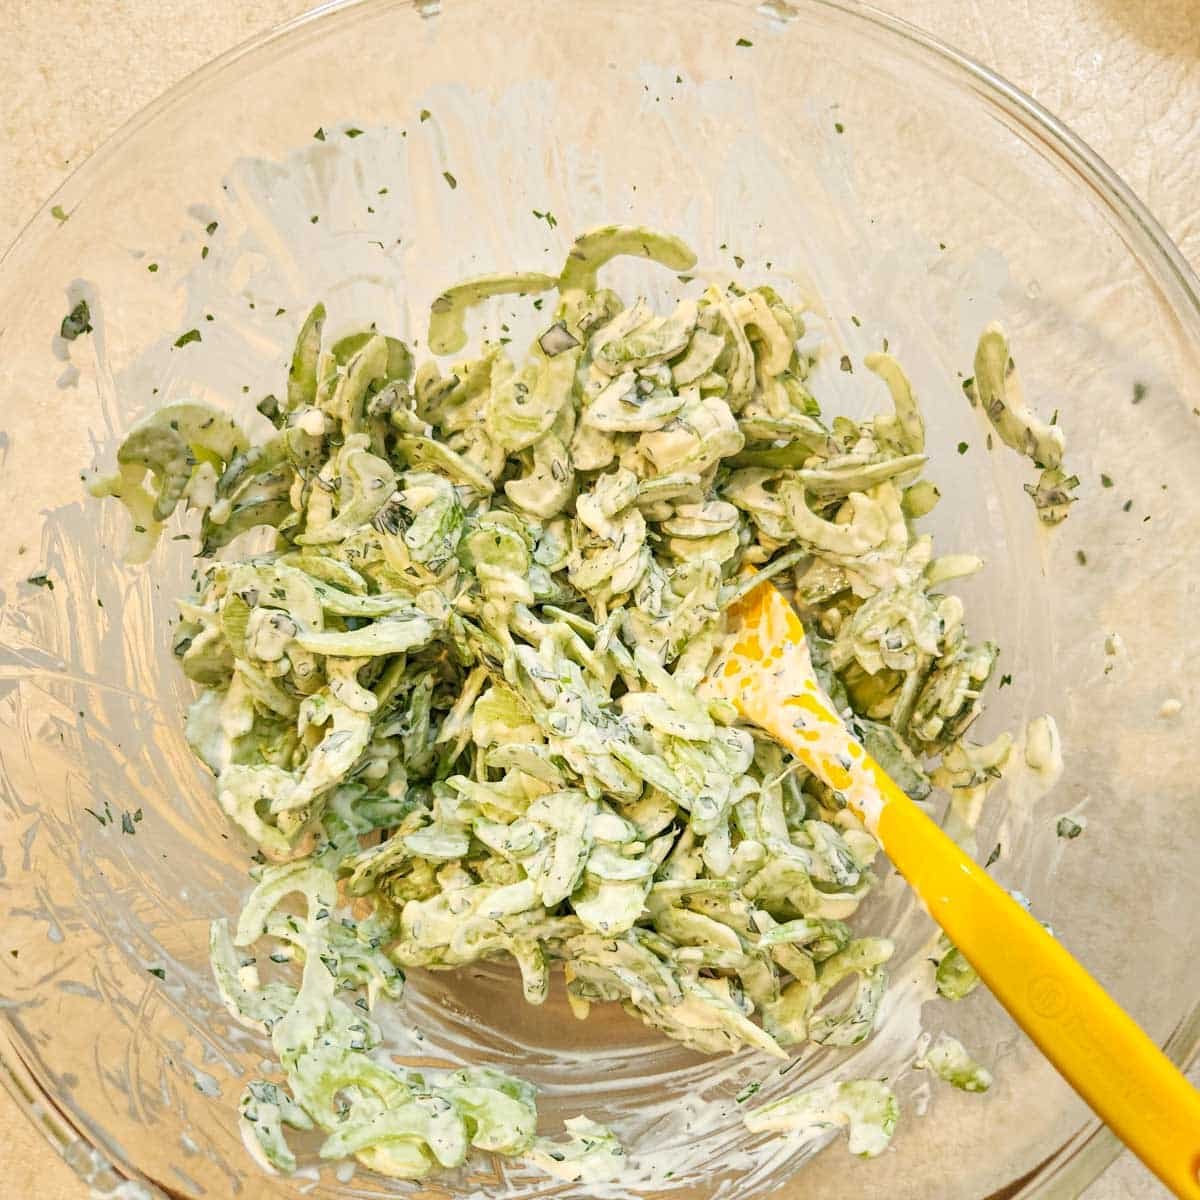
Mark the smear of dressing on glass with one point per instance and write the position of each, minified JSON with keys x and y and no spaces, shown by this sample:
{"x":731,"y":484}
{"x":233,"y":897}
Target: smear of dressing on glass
{"x":1035,"y":768}
{"x":1043,"y":750}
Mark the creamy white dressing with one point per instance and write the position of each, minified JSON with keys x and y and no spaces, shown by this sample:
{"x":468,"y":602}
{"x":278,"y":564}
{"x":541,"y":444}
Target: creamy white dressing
{"x":651,"y":593}
{"x":1043,"y":750}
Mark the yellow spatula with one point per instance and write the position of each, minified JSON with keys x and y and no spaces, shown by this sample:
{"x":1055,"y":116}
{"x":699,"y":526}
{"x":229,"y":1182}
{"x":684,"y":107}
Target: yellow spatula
{"x":1132,"y":1086}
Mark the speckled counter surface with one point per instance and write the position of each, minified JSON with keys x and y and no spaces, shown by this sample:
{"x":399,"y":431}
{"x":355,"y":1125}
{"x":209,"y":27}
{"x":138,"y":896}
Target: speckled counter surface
{"x":1125,"y":74}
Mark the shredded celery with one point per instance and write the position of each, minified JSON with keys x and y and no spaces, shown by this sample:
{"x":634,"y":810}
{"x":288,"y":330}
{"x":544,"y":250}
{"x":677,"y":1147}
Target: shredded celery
{"x":478,"y":628}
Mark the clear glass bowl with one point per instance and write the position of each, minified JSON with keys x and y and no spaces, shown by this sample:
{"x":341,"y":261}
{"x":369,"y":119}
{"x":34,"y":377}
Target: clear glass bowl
{"x":844,"y":156}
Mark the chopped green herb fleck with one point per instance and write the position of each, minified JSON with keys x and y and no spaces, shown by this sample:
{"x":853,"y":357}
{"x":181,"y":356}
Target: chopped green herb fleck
{"x":320,"y":134}
{"x":1081,"y":558}
{"x":1068,"y":828}
{"x":77,"y":321}
{"x":739,"y":261}
{"x":59,"y":214}
{"x":1106,"y":481}
{"x":101,"y":818}
{"x":157,"y":972}
{"x":353,"y":132}
{"x":425,"y":114}
{"x":152,"y":267}
{"x":538,"y":303}
{"x":1127,"y":506}
{"x":313,"y":219}
{"x":1139,"y":392}
{"x":192,"y":335}
{"x":211,"y":228}
{"x":203,"y":251}
{"x":41,"y":579}
{"x":450,"y":179}
{"x":839,"y":127}
{"x":747,"y":1092}
{"x":963,"y":447}
{"x":993,"y":857}
{"x":846,"y":364}
{"x":855,"y":321}
{"x":127,"y":823}
{"x":546,"y":216}
{"x":743,"y":42}
{"x":678,"y":78}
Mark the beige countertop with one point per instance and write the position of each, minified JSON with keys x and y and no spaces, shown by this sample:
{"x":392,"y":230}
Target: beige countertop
{"x":1125,"y":74}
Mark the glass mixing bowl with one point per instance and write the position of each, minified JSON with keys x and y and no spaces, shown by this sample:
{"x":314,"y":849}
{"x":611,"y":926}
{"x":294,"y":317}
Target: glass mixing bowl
{"x":845,"y":157}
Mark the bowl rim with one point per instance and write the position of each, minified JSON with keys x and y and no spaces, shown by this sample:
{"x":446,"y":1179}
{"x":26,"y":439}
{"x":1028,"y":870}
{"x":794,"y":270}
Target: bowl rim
{"x":1079,"y":1162}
